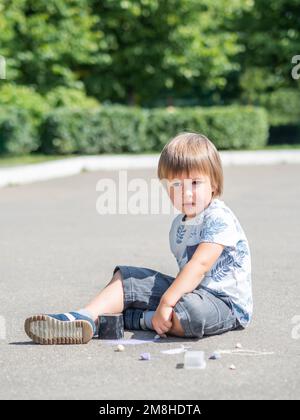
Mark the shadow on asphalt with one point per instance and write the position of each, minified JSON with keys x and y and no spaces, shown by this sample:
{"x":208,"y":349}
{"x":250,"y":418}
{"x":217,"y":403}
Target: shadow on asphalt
{"x":23,"y":343}
{"x":137,"y":335}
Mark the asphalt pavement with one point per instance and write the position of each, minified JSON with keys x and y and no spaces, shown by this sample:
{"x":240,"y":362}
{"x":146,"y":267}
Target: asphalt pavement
{"x":57,"y":252}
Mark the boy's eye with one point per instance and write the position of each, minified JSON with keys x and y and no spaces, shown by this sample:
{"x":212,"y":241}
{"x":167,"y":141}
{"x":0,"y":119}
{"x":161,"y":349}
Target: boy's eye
{"x":176,"y":184}
{"x":194,"y":183}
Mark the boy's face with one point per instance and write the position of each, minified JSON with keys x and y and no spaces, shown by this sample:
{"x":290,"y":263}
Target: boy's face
{"x":190,"y":195}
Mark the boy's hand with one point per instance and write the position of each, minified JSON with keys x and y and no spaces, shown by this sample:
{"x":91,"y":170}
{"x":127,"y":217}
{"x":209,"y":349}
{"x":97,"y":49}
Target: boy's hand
{"x":162,"y":317}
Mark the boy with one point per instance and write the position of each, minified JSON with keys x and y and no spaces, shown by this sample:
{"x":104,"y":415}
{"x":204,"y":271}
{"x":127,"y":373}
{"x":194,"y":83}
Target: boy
{"x":212,"y":292}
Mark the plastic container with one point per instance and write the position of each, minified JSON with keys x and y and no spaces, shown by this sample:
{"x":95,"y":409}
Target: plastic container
{"x":194,"y":360}
{"x":111,"y":326}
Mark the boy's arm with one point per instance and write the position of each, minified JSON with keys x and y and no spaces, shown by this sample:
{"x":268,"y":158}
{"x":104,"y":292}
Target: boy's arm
{"x":193,"y":272}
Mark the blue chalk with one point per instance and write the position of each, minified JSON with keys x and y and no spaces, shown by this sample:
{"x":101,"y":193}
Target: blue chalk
{"x":215,"y":356}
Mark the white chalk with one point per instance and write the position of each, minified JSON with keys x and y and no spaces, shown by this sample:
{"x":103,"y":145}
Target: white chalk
{"x":160,"y":336}
{"x":120,"y":347}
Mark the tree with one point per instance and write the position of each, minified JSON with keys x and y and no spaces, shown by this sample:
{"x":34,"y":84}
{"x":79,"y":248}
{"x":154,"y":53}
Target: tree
{"x":122,"y":51}
{"x":163,"y":48}
{"x":46,"y":41}
{"x":269,"y":30}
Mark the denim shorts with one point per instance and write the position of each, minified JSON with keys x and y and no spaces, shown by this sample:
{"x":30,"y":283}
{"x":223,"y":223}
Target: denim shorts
{"x":200,"y":312}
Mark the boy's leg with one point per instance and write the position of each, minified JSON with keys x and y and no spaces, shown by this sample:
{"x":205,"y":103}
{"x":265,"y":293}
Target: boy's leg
{"x":130,"y":287}
{"x":109,"y":300}
{"x":76,"y":327}
{"x":201,"y":313}
{"x":143,"y":288}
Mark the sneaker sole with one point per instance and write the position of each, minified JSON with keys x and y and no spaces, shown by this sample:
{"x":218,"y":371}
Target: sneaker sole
{"x":43,"y":329}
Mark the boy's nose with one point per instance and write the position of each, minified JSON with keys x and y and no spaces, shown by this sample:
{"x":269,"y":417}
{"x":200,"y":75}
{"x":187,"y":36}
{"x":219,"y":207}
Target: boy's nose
{"x":188,"y":194}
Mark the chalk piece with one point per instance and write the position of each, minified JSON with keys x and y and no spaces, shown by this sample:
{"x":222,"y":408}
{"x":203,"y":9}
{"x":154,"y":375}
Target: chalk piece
{"x":174,"y":351}
{"x":232,"y":367}
{"x":215,"y":356}
{"x":157,"y":337}
{"x":145,"y":356}
{"x":120,"y":347}
{"x":238,"y":346}
{"x":130,"y":341}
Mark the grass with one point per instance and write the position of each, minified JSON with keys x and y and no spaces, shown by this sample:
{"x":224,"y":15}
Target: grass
{"x":8,"y":161}
{"x":281,"y":147}
{"x":28,"y":159}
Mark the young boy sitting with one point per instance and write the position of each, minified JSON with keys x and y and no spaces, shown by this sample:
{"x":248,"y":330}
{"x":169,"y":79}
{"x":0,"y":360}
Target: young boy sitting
{"x":212,"y":292}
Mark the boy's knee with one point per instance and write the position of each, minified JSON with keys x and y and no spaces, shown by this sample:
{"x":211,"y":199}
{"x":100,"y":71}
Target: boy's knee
{"x":193,"y":318}
{"x":117,"y":276}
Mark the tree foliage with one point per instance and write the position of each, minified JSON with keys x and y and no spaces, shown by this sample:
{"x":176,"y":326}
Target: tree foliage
{"x":146,"y":51}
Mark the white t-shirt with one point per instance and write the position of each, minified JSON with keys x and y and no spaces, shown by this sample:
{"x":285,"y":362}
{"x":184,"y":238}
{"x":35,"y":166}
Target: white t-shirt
{"x":231,"y":273}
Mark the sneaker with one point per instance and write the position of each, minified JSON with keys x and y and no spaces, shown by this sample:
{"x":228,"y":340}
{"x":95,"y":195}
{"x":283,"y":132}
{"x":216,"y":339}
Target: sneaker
{"x":67,"y":328}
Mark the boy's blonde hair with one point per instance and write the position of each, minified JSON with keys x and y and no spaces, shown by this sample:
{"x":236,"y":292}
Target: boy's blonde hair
{"x":189,"y":152}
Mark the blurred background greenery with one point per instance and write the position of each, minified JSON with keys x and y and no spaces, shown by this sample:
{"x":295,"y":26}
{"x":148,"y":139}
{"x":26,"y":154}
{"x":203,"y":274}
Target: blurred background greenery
{"x":113,"y":76}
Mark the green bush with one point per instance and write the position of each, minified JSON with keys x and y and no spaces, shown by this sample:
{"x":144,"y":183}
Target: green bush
{"x":23,"y":110}
{"x":17,"y":133}
{"x":283,"y":107}
{"x":62,"y":96}
{"x":111,"y":129}
{"x":117,"y":129}
{"x":229,"y":127}
{"x":37,"y":105}
{"x":24,"y":98}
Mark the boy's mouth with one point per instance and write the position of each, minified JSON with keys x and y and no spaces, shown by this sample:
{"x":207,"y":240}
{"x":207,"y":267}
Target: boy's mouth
{"x":189,"y":207}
